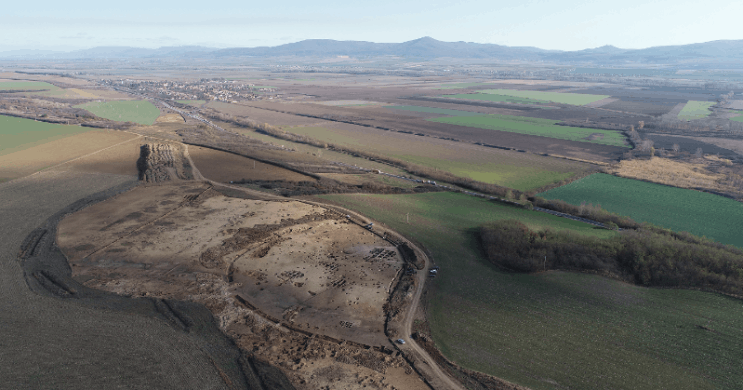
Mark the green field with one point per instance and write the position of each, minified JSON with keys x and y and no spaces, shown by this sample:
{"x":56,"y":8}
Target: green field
{"x":495,"y":98}
{"x":678,"y":209}
{"x":27,"y":86}
{"x":459,"y":85}
{"x":695,"y":110}
{"x":737,"y":118}
{"x":137,"y":111}
{"x":558,"y":330}
{"x":576,"y":99}
{"x":506,"y":168}
{"x":18,"y":133}
{"x":538,"y":127}
{"x":431,"y":110}
{"x":192,"y":102}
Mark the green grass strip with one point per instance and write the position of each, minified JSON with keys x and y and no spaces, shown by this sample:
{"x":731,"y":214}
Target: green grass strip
{"x":137,"y":111}
{"x":695,"y":110}
{"x":26,"y":85}
{"x":17,"y":134}
{"x":431,"y":110}
{"x":678,"y":209}
{"x":495,"y":98}
{"x":538,"y":127}
{"x":577,"y":99}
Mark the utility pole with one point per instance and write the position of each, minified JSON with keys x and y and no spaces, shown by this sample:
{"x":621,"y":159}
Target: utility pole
{"x":407,"y":217}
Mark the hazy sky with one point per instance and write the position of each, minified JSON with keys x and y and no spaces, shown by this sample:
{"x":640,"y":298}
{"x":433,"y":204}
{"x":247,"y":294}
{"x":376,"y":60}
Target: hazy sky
{"x":548,"y":24}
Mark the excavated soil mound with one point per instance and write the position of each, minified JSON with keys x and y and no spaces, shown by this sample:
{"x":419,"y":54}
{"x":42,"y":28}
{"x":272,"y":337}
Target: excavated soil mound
{"x":297,"y":284}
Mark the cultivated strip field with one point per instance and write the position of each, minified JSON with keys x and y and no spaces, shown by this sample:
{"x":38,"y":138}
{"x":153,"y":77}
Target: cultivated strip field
{"x":576,"y":99}
{"x":558,"y":329}
{"x":507,"y":168}
{"x":695,"y":110}
{"x":539,"y":127}
{"x":45,"y":155}
{"x":137,"y":111}
{"x":488,"y":97}
{"x":700,"y":213}
{"x":19,"y":133}
{"x":433,"y":110}
{"x":225,"y":167}
{"x":26,"y":86}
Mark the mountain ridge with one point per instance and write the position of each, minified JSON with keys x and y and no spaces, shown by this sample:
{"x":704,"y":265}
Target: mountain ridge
{"x":425,"y":48}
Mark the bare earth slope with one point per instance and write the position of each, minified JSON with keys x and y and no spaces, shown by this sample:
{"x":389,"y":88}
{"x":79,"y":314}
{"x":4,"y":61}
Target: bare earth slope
{"x":52,"y":343}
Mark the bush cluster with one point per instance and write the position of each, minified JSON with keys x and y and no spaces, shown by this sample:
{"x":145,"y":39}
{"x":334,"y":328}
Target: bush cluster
{"x":588,"y":211}
{"x":648,"y":256}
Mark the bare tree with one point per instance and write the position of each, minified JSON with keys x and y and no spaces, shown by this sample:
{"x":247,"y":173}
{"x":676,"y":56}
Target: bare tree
{"x":646,"y":144}
{"x":641,"y":125}
{"x":676,"y":148}
{"x":698,"y":153}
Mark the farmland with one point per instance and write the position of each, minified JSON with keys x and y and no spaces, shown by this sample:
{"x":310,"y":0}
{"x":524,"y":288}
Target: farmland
{"x":495,"y":98}
{"x":26,"y":86}
{"x":538,"y":127}
{"x":506,"y":168}
{"x":557,"y":329}
{"x":576,"y":99}
{"x":137,"y":111}
{"x":192,"y":102}
{"x":19,"y":133}
{"x":695,"y":110}
{"x":459,"y":85}
{"x":700,"y":213}
{"x":738,"y":118}
{"x":433,"y":110}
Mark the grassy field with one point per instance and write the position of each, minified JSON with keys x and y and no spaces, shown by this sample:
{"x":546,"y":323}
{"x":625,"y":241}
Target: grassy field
{"x":495,"y":98}
{"x":695,"y":110}
{"x":576,"y":99}
{"x":737,"y":118}
{"x":507,"y":168}
{"x":18,"y":133}
{"x":538,"y":127}
{"x":432,"y":110}
{"x":459,"y":85}
{"x":678,"y":209}
{"x":137,"y":111}
{"x":27,"y":86}
{"x":558,"y":330}
{"x":192,"y":102}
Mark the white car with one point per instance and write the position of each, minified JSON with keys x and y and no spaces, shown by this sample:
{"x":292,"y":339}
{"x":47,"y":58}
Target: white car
{"x":400,"y":341}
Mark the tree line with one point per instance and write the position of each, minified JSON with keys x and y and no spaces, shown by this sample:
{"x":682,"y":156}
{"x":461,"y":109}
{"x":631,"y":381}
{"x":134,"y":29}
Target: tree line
{"x":648,"y":256}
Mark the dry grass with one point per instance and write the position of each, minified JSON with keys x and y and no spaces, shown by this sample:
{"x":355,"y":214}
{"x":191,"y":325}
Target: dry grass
{"x":674,"y":173}
{"x":170,"y":118}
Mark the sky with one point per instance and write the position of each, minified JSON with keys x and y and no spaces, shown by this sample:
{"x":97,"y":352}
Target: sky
{"x":547,"y":24}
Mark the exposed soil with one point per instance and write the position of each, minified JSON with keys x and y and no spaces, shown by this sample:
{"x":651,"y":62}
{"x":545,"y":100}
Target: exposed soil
{"x":226,"y":167}
{"x":289,"y":281}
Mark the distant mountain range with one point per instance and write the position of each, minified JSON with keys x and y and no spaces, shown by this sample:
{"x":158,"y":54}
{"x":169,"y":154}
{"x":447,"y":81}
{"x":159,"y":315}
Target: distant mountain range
{"x":722,"y":52}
